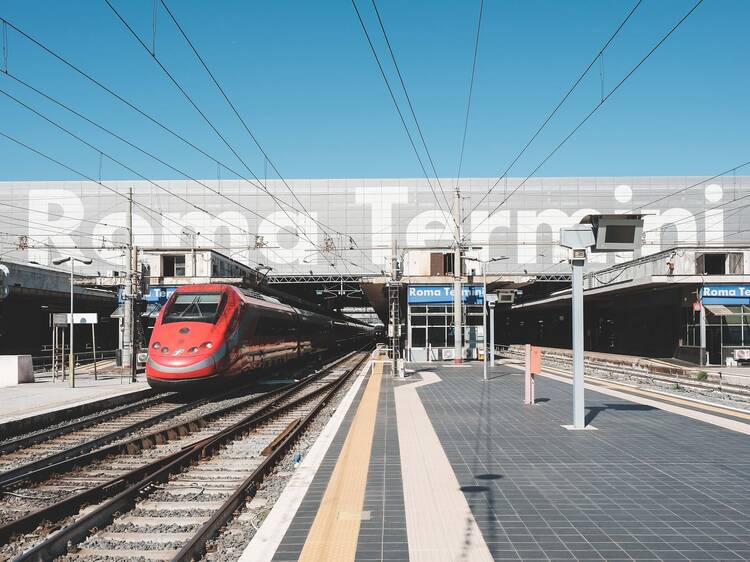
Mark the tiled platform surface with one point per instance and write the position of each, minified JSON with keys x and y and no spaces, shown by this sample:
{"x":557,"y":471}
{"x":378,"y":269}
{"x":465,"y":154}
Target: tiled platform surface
{"x":383,"y":530}
{"x":648,"y":485}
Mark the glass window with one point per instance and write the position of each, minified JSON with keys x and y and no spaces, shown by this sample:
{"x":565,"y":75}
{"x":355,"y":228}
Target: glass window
{"x":436,"y":336}
{"x":474,"y":320}
{"x":418,"y":320}
{"x":436,"y":320}
{"x":731,"y":335}
{"x":193,"y":307}
{"x":418,"y":337}
{"x":418,"y":309}
{"x":436,"y":309}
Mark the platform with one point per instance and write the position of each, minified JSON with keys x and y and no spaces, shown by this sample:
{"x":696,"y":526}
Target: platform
{"x":45,"y":396}
{"x":444,"y":466}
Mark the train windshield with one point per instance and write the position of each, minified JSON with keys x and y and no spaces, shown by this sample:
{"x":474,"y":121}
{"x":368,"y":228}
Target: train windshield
{"x":195,"y":307}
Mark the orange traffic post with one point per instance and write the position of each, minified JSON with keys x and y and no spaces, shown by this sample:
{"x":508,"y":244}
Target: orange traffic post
{"x":533,"y":365}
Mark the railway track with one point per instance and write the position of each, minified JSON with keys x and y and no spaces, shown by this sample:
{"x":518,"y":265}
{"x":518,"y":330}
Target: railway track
{"x":596,"y":370}
{"x":185,"y":471}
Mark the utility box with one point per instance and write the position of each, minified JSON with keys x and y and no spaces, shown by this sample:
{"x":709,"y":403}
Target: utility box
{"x":15,"y":370}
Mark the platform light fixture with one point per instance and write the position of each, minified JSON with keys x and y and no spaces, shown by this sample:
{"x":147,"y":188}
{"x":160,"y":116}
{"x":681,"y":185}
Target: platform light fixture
{"x":601,"y":233}
{"x":71,"y":358}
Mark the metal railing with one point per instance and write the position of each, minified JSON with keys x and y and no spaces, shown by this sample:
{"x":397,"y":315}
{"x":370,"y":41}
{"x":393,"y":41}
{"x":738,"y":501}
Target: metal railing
{"x":43,"y":362}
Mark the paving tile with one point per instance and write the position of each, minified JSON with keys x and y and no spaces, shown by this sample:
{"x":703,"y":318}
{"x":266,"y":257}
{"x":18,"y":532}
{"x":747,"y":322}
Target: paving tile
{"x":642,"y":487}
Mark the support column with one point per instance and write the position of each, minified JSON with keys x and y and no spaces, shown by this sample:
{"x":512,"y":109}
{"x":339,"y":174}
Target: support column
{"x":578,"y":394}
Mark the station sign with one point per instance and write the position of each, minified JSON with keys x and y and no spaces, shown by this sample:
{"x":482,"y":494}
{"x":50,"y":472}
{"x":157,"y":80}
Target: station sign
{"x":725,"y":294}
{"x":443,"y":294}
{"x":63,"y":318}
{"x":155,"y":295}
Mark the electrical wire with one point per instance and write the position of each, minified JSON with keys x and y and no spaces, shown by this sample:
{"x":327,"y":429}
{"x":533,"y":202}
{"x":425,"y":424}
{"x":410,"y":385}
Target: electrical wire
{"x":408,"y":99}
{"x":240,"y":118}
{"x":135,"y":108}
{"x":593,"y":111}
{"x":398,"y":108}
{"x":471,"y":91}
{"x":195,"y":106}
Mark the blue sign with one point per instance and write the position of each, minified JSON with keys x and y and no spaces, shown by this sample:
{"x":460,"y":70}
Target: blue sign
{"x":725,"y":294}
{"x":443,"y":294}
{"x":157,"y":295}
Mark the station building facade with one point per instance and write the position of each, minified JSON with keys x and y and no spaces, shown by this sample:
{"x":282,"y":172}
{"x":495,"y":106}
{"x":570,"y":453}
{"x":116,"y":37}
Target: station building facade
{"x":343,"y":229}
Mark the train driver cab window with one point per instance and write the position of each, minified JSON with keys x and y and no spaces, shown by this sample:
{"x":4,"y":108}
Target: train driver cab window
{"x":173,"y":266}
{"x":195,"y":307}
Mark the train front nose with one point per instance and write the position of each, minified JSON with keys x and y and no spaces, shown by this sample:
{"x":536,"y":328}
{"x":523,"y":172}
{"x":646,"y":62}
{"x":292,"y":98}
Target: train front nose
{"x":183,"y":352}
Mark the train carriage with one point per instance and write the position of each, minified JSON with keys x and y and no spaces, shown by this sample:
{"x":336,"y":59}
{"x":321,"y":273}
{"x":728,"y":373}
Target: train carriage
{"x":213,"y":331}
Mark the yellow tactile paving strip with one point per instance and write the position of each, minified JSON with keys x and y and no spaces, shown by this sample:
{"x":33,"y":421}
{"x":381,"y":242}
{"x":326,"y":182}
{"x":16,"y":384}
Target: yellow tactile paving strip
{"x":335,"y":530}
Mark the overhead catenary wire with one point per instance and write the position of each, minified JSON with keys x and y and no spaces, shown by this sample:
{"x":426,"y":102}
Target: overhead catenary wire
{"x":592,"y":112}
{"x":267,"y":158}
{"x":162,"y":188}
{"x":195,"y":106}
{"x":408,"y":99}
{"x":557,"y":108}
{"x":395,"y":103}
{"x":471,"y":91}
{"x":560,"y":103}
{"x":135,"y":108}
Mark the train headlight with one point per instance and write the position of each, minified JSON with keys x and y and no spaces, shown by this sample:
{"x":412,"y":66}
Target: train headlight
{"x":192,"y":349}
{"x":156,"y":345}
{"x":165,"y":350}
{"x":207,"y":344}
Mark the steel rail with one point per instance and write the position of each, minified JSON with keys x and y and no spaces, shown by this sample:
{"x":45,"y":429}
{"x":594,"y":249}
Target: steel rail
{"x":21,"y":473}
{"x":101,"y":516}
{"x":73,"y":503}
{"x":195,"y":547}
{"x":33,"y":439}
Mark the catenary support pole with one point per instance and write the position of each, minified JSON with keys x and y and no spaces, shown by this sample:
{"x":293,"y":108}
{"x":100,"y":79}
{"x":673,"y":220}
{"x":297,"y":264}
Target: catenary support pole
{"x":71,"y":359}
{"x":484,"y":321}
{"x":578,"y":395}
{"x":457,"y":292}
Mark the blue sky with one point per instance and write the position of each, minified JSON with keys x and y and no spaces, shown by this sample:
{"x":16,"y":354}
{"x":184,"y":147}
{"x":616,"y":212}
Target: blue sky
{"x":303,"y":77}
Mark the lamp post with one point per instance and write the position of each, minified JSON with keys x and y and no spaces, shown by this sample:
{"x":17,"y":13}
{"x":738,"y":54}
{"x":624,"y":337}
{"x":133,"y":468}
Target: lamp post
{"x":484,"y":311}
{"x":71,"y":358}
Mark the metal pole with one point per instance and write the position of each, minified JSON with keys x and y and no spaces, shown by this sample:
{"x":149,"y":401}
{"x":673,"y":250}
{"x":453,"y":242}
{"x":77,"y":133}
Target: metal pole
{"x":484,"y":319}
{"x":127,"y":340}
{"x":492,"y":332}
{"x":578,"y":397}
{"x":93,"y":347}
{"x":134,"y":319}
{"x":703,"y":360}
{"x":62,"y":353}
{"x":72,"y":357}
{"x":457,"y":296}
{"x":54,"y":350}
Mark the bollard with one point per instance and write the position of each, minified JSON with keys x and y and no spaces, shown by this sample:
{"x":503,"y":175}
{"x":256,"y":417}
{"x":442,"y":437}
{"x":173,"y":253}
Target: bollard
{"x":532,"y":366}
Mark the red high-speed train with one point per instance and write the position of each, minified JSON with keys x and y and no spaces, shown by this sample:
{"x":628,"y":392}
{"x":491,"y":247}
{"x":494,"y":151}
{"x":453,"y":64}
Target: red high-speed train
{"x":212,"y":331}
